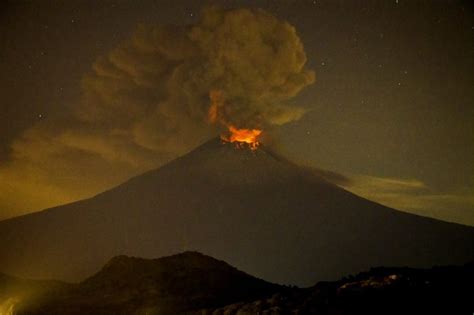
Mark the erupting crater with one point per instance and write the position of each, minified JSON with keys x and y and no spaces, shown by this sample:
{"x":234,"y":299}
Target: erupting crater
{"x":241,"y":137}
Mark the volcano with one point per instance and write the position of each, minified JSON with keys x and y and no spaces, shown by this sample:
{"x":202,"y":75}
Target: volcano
{"x":248,"y":206}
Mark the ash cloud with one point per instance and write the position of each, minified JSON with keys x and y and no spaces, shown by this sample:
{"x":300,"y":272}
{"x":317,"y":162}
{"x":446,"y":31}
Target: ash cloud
{"x":148,"y":101}
{"x":158,"y":84}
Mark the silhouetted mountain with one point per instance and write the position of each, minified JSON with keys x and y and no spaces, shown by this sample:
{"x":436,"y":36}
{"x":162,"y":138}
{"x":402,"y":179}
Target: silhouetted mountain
{"x":168,"y":285}
{"x":252,"y":208}
{"x":440,"y":290}
{"x":192,"y":283}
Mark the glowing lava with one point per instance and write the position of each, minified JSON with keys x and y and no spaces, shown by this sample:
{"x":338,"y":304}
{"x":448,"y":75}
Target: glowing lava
{"x":236,"y":135}
{"x":240,"y":136}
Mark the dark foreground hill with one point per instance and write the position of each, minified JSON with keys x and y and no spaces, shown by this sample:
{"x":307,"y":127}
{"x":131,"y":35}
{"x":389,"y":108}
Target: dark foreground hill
{"x":192,"y":283}
{"x":169,"y":285}
{"x":440,"y":290}
{"x":252,"y":208}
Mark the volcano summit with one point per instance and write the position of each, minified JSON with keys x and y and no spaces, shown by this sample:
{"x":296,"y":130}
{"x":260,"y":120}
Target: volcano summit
{"x":248,"y":206}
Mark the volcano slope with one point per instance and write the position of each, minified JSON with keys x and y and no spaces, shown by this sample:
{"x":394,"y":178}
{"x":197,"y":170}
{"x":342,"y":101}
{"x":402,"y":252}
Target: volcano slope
{"x":251,"y":208}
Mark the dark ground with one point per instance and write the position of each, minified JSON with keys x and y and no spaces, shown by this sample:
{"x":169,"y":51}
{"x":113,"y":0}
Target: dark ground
{"x":192,"y":283}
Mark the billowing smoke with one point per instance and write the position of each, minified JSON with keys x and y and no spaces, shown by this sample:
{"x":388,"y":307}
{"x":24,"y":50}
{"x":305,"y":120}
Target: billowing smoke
{"x":150,"y":99}
{"x":157,"y":86}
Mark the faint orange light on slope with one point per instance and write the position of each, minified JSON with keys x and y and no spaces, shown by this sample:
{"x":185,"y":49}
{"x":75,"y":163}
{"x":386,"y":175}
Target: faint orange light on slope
{"x":217,"y":101}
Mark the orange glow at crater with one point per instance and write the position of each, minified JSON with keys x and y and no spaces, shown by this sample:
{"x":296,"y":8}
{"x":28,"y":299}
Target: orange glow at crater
{"x":240,"y":136}
{"x":236,"y":135}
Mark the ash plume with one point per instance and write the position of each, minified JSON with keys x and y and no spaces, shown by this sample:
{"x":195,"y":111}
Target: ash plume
{"x":159,"y":84}
{"x":149,"y":100}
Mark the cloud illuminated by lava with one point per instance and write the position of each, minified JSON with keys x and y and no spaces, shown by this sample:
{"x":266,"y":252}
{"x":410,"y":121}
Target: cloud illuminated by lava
{"x":147,"y":101}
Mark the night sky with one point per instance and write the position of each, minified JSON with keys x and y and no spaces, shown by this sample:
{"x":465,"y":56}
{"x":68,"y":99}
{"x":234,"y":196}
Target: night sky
{"x":391,"y":107}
